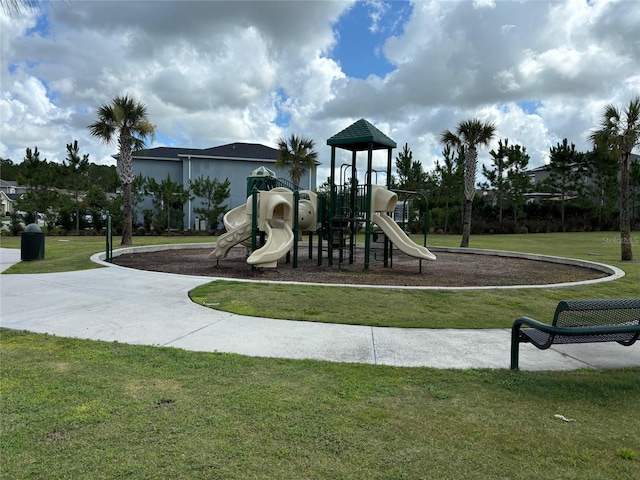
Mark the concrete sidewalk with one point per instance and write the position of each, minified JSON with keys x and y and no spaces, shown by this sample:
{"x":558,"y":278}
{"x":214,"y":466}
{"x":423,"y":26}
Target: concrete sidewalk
{"x":150,"y":308}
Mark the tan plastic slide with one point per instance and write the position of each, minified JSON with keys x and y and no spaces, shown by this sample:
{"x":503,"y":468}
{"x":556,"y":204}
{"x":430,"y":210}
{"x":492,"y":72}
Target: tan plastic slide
{"x":238,"y":225}
{"x":275,"y":212}
{"x":278,"y":243}
{"x":384,"y":201}
{"x":274,"y":219}
{"x":393,"y":231}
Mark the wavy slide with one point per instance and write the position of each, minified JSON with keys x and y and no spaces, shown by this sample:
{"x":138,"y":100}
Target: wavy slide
{"x":238,"y":225}
{"x":392,"y":230}
{"x":279,"y":242}
{"x":274,"y":219}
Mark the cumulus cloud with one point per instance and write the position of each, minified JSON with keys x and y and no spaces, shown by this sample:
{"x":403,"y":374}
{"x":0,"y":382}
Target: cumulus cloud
{"x":214,"y":72}
{"x":208,"y":71}
{"x":485,"y":59}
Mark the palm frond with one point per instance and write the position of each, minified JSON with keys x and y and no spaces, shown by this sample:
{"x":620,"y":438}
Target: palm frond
{"x":297,"y":154}
{"x":618,"y":131}
{"x":102,"y":130}
{"x":449,"y":138}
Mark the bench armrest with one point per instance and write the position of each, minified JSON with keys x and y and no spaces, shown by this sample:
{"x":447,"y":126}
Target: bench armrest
{"x":530,"y":322}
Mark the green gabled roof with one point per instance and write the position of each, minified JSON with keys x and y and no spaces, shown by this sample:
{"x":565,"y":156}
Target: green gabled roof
{"x":263,"y":172}
{"x":358,"y":136}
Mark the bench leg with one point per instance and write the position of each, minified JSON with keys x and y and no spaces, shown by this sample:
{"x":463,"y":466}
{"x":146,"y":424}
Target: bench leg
{"x":515,"y":346}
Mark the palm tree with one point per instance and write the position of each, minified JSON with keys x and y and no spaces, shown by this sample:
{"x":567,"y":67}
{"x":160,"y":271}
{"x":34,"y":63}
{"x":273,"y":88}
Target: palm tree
{"x":619,"y":133}
{"x":17,"y":6}
{"x":469,"y":134}
{"x":125,"y":119}
{"x":298,"y":155}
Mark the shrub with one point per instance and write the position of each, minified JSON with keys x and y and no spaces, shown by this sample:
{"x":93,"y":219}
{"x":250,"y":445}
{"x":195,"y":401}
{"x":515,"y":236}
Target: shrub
{"x":16,"y":225}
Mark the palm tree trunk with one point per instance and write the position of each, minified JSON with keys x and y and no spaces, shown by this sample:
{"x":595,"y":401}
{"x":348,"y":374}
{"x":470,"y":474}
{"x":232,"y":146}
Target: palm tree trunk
{"x":125,"y":165}
{"x":127,"y":224}
{"x":466,"y":225}
{"x":625,"y":220}
{"x":471,"y":165}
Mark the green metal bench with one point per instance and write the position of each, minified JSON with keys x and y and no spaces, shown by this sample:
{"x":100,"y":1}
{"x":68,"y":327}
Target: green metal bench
{"x":580,"y":321}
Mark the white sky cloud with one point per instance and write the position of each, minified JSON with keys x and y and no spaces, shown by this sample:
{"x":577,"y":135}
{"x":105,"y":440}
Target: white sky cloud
{"x":214,"y":72}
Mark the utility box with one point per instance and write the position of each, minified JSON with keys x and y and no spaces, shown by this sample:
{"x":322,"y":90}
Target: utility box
{"x":32,"y":243}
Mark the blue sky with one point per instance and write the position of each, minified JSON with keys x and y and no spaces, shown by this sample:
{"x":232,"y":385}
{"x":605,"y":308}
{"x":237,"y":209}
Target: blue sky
{"x":215,"y":72}
{"x":41,"y":26}
{"x":361,"y":33}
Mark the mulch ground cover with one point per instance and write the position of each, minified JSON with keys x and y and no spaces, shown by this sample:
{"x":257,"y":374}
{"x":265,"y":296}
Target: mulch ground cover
{"x":449,"y":270}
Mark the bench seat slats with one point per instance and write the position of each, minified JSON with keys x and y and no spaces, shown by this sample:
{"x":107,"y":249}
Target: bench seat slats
{"x":545,"y":340}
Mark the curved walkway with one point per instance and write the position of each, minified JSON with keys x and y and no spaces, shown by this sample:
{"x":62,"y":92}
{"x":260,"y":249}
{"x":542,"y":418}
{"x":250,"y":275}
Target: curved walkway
{"x":150,"y":308}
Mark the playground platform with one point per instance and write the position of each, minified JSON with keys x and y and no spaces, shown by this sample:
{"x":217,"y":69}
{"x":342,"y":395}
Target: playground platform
{"x":150,"y":308}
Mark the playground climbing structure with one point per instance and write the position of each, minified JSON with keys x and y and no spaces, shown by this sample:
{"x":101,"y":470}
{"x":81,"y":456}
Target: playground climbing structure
{"x":352,"y":205}
{"x":275,"y":216}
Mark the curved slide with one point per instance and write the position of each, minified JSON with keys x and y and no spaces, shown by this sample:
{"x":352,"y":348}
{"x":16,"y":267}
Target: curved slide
{"x":274,"y":219}
{"x":275,"y":210}
{"x":279,"y":242}
{"x":392,"y":230}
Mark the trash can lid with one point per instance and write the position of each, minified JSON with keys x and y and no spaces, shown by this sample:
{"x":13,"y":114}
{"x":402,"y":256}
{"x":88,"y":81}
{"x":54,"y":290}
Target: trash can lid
{"x":32,"y":228}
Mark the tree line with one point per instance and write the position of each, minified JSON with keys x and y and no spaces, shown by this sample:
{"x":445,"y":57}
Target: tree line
{"x":581,"y":191}
{"x":76,"y":194}
{"x":104,"y":176}
{"x":72,"y":194}
{"x":593,"y":190}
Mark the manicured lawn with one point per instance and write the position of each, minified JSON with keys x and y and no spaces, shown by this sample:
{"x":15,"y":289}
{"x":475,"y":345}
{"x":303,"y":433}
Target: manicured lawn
{"x":427,"y":309}
{"x":435,"y":309}
{"x":76,"y":409}
{"x":69,"y":253}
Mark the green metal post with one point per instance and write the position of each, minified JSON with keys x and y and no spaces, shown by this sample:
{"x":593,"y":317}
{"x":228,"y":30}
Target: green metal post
{"x":388,"y":249}
{"x":426,"y":224}
{"x":332,"y":204}
{"x":321,"y":221}
{"x":254,"y":221}
{"x":296,"y":208}
{"x":352,"y":205}
{"x":367,"y":231}
{"x":106,"y":237}
{"x":109,"y":240}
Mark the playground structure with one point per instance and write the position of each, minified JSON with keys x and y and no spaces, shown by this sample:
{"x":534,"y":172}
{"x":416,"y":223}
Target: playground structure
{"x":277,"y":214}
{"x":269,"y":215}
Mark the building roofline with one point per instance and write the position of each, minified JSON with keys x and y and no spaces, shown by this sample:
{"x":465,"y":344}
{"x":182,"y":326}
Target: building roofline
{"x":216,"y":157}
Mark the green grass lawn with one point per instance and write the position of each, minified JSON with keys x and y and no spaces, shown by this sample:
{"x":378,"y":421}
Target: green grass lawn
{"x":426,"y":309}
{"x":69,"y":253}
{"x":434,"y":309}
{"x":75,"y":409}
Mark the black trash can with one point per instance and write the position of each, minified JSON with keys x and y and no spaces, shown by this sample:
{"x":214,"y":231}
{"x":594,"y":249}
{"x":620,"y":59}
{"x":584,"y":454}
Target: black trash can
{"x":32,"y":243}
